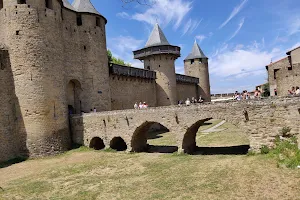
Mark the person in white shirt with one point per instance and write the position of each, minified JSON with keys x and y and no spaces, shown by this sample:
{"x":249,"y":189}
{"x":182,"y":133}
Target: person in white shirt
{"x":140,"y":105}
{"x":136,"y":106}
{"x":188,"y":102}
{"x":297,"y":91}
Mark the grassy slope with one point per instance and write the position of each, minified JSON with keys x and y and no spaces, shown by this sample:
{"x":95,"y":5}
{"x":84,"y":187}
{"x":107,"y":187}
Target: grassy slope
{"x":85,"y":174}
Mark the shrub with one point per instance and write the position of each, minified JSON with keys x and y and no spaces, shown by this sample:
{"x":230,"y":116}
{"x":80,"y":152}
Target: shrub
{"x":264,"y":149}
{"x":287,"y":152}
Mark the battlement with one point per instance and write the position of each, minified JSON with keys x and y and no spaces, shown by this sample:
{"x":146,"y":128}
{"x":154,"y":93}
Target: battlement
{"x":186,"y":79}
{"x":121,"y":70}
{"x":157,"y":50}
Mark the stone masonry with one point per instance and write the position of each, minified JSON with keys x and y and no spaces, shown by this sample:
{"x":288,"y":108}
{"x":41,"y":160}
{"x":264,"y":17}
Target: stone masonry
{"x":285,"y":73}
{"x":260,"y":121}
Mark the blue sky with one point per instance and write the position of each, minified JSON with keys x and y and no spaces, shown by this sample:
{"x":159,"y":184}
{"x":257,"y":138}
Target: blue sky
{"x":240,"y":37}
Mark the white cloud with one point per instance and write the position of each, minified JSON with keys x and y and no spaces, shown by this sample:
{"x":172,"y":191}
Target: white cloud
{"x":122,"y":48}
{"x":191,"y":26}
{"x":294,"y":25}
{"x":241,"y":62}
{"x":235,"y":11}
{"x":179,"y":70}
{"x":123,"y":15}
{"x":238,"y":29}
{"x":165,"y":12}
{"x":201,"y":38}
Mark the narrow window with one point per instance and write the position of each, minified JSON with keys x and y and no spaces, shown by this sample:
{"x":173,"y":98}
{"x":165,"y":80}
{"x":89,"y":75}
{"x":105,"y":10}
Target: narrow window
{"x":21,"y":2}
{"x":49,"y":4}
{"x":1,"y":4}
{"x":97,"y":21}
{"x":192,"y":61}
{"x":79,"y":20}
{"x":148,"y":67}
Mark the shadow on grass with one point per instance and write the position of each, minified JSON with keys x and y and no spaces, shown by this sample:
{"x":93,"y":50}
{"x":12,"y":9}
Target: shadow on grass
{"x":207,"y":124}
{"x":156,"y":134}
{"x":12,"y":162}
{"x":233,"y":150}
{"x":162,"y":149}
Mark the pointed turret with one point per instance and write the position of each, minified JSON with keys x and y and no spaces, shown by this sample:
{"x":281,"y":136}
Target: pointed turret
{"x":67,"y":5}
{"x":159,"y":56}
{"x":157,"y":37}
{"x":196,"y":52}
{"x":85,"y":6}
{"x":196,"y":65}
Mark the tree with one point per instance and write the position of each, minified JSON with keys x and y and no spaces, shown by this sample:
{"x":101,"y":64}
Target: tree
{"x":118,"y":61}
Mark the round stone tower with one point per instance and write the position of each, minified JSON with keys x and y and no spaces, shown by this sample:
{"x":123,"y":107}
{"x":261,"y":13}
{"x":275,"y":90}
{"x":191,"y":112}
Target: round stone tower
{"x":159,"y":56}
{"x":57,"y":57}
{"x":196,"y":64}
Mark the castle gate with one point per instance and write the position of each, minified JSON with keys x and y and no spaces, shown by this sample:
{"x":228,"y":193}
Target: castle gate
{"x":260,"y":120}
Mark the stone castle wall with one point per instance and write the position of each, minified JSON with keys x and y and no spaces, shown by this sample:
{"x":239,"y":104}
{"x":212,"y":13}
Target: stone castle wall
{"x":295,"y":54}
{"x":288,"y":79}
{"x":273,"y":70}
{"x":185,"y":90}
{"x":125,"y":91}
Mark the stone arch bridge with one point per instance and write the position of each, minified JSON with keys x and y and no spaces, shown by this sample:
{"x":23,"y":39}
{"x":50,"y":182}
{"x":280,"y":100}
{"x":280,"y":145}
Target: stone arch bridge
{"x":260,"y":120}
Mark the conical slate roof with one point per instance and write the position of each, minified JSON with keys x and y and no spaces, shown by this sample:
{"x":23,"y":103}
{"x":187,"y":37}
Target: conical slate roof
{"x":84,"y":6}
{"x":68,"y":5}
{"x":196,"y":52}
{"x":157,"y":37}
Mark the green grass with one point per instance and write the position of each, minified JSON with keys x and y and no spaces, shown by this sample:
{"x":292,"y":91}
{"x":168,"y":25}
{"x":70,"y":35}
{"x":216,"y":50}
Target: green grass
{"x":286,"y":152}
{"x":230,"y":136}
{"x":87,"y":174}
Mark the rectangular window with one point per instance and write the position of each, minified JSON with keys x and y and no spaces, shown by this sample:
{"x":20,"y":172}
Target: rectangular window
{"x":192,"y":61}
{"x":97,"y":21}
{"x":1,"y":4}
{"x":49,"y":4}
{"x":21,"y":1}
{"x":79,"y":20}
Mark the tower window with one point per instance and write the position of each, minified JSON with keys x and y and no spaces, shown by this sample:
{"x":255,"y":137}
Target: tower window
{"x":79,"y":20}
{"x":1,"y":4}
{"x":21,"y":2}
{"x":192,"y":61}
{"x":49,"y":4}
{"x":97,"y":21}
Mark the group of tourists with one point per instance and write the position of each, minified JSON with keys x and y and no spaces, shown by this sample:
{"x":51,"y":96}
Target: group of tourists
{"x":189,"y":102}
{"x":294,"y":92}
{"x":140,"y":105}
{"x":245,"y":95}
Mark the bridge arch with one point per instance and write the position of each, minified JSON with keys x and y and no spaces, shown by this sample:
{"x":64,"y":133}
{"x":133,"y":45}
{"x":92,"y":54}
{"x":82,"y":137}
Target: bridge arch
{"x":118,"y":144}
{"x":140,"y":135}
{"x":97,"y":143}
{"x":189,"y":139}
{"x":230,"y":138}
